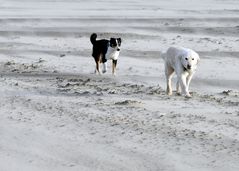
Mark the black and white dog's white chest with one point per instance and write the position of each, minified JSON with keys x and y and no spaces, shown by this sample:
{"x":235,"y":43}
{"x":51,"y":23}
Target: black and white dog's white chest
{"x":112,"y":53}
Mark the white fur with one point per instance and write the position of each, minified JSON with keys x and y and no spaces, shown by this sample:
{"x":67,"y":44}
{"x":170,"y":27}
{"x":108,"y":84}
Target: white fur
{"x":178,"y":60}
{"x":104,"y":67}
{"x":112,"y":53}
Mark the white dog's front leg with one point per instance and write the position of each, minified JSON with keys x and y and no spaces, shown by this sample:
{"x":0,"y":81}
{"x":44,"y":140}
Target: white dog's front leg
{"x":189,"y":78}
{"x":184,"y":86}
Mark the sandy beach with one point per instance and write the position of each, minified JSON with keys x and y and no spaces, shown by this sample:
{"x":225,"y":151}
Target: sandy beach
{"x":57,"y":114}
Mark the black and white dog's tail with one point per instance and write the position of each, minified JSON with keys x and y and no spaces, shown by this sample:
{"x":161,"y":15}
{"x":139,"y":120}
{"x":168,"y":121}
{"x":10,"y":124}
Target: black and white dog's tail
{"x":93,"y":38}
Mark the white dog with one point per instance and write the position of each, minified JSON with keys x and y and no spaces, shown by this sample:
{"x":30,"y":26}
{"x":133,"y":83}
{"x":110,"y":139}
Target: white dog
{"x":183,"y":62}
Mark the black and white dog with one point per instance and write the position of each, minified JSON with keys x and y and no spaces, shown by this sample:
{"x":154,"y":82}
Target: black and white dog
{"x":104,"y":50}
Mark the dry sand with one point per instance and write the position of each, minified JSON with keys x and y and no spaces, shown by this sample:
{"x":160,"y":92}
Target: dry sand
{"x":56,"y":114}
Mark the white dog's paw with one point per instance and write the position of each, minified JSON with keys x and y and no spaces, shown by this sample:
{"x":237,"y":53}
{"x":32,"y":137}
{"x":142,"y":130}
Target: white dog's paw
{"x":188,"y":95}
{"x":169,"y":93}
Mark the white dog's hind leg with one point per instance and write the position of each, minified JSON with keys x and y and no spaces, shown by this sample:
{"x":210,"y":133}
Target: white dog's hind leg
{"x":178,"y":87}
{"x":169,"y":74}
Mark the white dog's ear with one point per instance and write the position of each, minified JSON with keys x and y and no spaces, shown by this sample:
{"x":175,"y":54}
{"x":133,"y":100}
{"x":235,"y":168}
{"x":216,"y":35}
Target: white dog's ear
{"x":198,"y":59}
{"x":180,"y":56}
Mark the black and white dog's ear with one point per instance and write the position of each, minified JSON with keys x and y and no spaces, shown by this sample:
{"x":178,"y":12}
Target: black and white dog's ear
{"x":119,"y":41}
{"x":111,"y":40}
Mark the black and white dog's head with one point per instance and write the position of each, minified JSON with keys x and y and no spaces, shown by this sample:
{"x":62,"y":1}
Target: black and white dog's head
{"x":112,"y":53}
{"x":113,"y":48}
{"x":115,"y":43}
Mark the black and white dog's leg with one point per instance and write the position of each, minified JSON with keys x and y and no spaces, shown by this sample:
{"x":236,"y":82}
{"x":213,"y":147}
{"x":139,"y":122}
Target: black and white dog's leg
{"x":114,"y":63}
{"x":104,"y":67}
{"x":104,"y":61}
{"x":97,"y":67}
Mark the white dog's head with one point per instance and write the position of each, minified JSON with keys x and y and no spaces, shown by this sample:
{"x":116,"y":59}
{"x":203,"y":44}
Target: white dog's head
{"x":189,"y":60}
